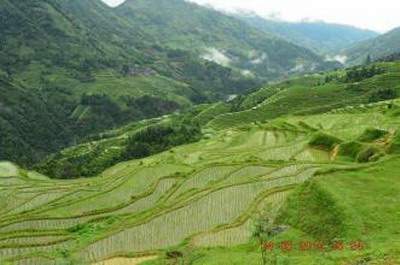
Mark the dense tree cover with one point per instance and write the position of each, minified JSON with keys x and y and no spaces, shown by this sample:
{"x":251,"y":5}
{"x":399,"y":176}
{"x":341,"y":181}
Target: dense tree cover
{"x":354,"y":74}
{"x":390,"y":58}
{"x":101,"y":112}
{"x":383,"y":94}
{"x":32,"y":124}
{"x":148,"y":141}
{"x":158,"y":138}
{"x":358,"y":74}
{"x":183,"y":25}
{"x":56,"y":166}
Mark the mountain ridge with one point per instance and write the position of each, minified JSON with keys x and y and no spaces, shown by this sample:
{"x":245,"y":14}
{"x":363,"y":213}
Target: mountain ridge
{"x":319,"y":36}
{"x":374,"y":49}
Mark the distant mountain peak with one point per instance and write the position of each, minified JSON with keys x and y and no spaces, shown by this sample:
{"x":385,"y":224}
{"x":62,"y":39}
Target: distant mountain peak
{"x":319,"y":36}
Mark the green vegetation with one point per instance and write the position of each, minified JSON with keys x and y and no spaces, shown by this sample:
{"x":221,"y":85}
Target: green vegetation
{"x":371,"y":135}
{"x":69,"y":69}
{"x":136,"y":141}
{"x":233,"y":176}
{"x":220,"y":38}
{"x":382,"y":46}
{"x":360,"y":218}
{"x":155,"y":139}
{"x":321,"y":37}
{"x":369,"y":154}
{"x":176,"y":177}
{"x":324,"y":141}
{"x":299,"y":96}
{"x":309,"y":207}
{"x":350,"y":149}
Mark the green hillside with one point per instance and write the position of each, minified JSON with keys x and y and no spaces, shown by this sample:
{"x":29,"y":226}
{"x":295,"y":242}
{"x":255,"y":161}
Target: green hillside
{"x":65,"y":52}
{"x":307,"y":173}
{"x":323,"y":38}
{"x":106,"y":63}
{"x":220,"y":38}
{"x":162,"y":132}
{"x":376,"y":48}
{"x":209,"y":194}
{"x":339,"y":91}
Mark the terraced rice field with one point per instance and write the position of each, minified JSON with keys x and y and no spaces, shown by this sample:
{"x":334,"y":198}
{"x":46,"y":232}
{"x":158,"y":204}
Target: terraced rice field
{"x":207,"y":193}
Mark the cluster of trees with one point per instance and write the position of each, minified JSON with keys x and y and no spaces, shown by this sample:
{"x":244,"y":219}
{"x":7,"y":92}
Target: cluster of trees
{"x":150,"y":140}
{"x":77,"y":165}
{"x":358,"y":74}
{"x":355,"y":74}
{"x":158,"y":138}
{"x":390,"y":58}
{"x":105,"y":113}
{"x":383,"y":94}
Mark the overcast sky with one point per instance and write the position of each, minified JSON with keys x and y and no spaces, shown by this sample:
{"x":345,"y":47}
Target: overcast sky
{"x":379,"y":15}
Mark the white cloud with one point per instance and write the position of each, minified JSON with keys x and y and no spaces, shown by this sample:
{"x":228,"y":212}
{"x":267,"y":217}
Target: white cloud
{"x":340,"y":58}
{"x":380,"y":15}
{"x":216,"y":56}
{"x":114,"y":2}
{"x":259,"y":60}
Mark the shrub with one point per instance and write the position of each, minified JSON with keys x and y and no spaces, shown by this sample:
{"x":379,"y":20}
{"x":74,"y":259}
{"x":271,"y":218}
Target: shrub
{"x":383,"y":94}
{"x":395,"y":145}
{"x":369,"y":154}
{"x":159,"y":138}
{"x":313,"y":210}
{"x":324,"y":141}
{"x":372,"y":134}
{"x":350,"y":149}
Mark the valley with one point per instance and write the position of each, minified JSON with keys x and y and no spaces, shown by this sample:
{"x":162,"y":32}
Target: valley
{"x":166,"y":132}
{"x":208,"y":193}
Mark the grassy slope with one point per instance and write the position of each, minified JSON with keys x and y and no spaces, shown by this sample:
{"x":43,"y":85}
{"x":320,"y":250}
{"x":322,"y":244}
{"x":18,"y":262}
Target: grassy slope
{"x":296,"y":97}
{"x":231,"y":176}
{"x":257,"y":164}
{"x":308,"y":95}
{"x":371,"y":219}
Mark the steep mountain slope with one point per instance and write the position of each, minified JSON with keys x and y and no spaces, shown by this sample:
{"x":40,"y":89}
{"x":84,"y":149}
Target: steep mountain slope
{"x":28,"y":120}
{"x":323,"y":38}
{"x":103,"y":68}
{"x":376,"y":48}
{"x":219,"y":37}
{"x":75,"y":40}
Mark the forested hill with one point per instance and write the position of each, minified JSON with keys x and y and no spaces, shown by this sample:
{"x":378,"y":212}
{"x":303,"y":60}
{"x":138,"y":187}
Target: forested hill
{"x":219,"y":37}
{"x":79,"y":64}
{"x":381,"y":46}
